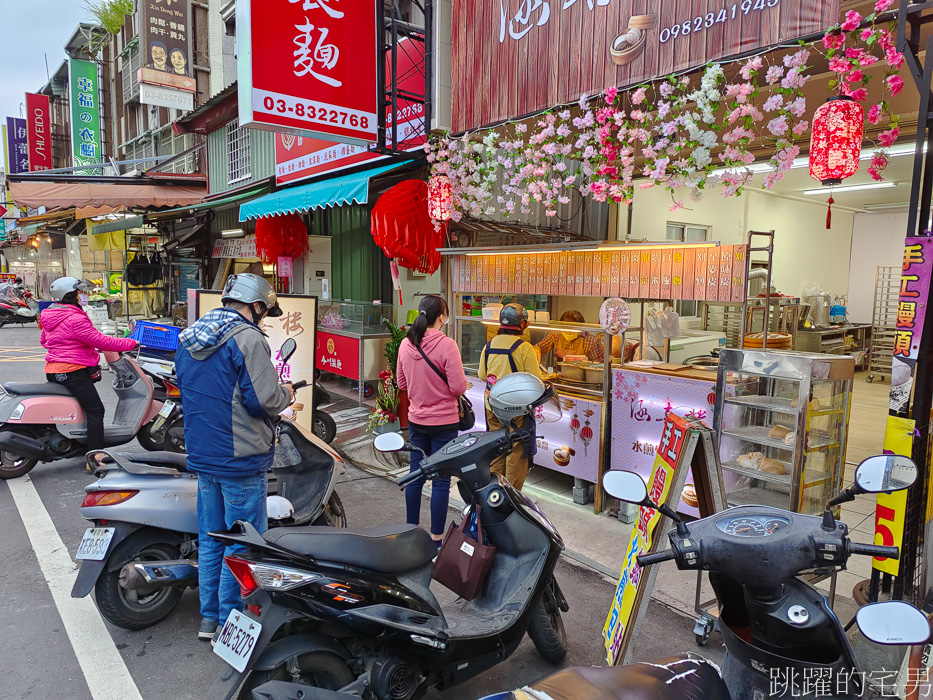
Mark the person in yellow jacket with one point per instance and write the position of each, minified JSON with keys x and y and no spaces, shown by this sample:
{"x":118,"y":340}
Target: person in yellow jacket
{"x":506,"y":353}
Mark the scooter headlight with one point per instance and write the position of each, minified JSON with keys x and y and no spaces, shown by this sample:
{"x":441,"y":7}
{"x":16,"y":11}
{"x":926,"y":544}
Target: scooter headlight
{"x":280,"y":578}
{"x":18,"y":412}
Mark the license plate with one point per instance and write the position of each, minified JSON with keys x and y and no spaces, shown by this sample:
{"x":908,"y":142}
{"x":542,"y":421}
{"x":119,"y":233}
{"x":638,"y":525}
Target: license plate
{"x":167,"y":409}
{"x":237,"y":640}
{"x":95,"y":543}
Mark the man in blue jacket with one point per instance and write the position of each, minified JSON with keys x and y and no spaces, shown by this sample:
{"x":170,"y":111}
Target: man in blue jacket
{"x":231,"y":394}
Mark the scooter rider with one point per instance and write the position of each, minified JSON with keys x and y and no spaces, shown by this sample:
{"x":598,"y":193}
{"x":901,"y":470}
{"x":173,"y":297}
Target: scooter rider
{"x":73,"y":358}
{"x":231,"y":394}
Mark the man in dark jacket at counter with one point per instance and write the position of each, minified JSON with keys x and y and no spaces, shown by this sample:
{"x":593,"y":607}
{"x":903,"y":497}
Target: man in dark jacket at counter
{"x":231,"y":393}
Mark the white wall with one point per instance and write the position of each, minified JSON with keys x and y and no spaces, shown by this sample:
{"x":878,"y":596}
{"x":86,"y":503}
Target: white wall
{"x":414,"y":288}
{"x":651,"y":212}
{"x":877,"y":241}
{"x":317,"y":260}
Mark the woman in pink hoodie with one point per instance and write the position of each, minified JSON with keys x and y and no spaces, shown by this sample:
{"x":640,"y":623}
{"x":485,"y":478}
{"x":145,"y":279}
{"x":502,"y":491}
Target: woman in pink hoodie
{"x":430,"y":369}
{"x":73,"y":359}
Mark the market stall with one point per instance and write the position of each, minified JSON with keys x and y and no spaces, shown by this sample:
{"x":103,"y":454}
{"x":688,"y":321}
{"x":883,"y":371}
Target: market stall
{"x":351,"y":341}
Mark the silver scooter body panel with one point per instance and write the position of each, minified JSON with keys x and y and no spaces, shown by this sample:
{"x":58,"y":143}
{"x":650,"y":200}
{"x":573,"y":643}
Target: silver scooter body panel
{"x":166,"y":502}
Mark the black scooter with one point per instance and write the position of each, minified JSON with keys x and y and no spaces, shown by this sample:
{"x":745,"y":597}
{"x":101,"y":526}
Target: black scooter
{"x":782,"y":639}
{"x":351,"y":610}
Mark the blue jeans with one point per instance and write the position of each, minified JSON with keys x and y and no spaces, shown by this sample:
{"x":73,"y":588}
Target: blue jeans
{"x":222,"y":500}
{"x":440,"y":486}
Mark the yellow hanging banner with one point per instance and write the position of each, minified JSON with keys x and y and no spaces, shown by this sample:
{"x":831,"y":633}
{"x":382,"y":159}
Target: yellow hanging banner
{"x":891,"y":508}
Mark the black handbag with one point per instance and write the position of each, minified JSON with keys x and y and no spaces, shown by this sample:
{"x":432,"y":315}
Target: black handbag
{"x":467,"y":416}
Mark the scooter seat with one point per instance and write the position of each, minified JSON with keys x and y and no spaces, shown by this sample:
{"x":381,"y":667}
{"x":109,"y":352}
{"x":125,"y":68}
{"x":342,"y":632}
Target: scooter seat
{"x":680,"y":678}
{"x":37,"y":388}
{"x":160,"y":459}
{"x":391,"y":549}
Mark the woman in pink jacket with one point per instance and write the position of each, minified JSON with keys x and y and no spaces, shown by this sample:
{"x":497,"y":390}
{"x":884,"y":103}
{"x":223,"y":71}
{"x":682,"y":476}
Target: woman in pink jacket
{"x":430,"y":369}
{"x":73,"y":357}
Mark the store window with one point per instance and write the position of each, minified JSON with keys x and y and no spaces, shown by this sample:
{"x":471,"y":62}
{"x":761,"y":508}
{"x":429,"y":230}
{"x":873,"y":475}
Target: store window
{"x":687,"y":233}
{"x":238,"y":157}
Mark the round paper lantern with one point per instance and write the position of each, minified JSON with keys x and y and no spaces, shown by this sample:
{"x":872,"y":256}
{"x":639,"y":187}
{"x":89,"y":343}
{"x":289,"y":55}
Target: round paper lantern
{"x":402,"y":228}
{"x":836,"y":142}
{"x":440,"y":199}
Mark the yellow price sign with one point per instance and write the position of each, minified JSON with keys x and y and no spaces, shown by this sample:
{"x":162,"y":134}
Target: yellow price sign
{"x":891,"y":508}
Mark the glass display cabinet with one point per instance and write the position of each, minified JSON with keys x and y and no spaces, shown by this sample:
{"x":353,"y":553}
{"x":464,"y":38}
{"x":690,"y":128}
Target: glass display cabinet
{"x":351,"y":341}
{"x":785,"y":440}
{"x":358,"y":318}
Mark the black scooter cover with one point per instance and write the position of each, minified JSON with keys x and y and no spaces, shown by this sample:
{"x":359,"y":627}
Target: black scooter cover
{"x":679,"y":678}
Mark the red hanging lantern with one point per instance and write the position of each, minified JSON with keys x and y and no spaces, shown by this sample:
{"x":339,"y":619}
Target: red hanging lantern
{"x":278,"y":236}
{"x":836,"y":142}
{"x":440,"y":198}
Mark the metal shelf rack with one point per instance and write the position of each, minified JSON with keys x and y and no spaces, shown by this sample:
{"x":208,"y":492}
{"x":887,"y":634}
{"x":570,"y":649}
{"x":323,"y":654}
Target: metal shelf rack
{"x":884,"y":322}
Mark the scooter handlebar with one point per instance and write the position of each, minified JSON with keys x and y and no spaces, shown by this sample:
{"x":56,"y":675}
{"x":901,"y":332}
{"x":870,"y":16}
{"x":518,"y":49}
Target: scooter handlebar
{"x":655,"y":558}
{"x":410,"y":477}
{"x":299,"y":385}
{"x":874,"y":550}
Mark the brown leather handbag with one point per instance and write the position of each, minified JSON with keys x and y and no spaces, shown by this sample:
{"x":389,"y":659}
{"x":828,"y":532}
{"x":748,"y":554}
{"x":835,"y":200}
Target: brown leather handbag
{"x":463,"y":563}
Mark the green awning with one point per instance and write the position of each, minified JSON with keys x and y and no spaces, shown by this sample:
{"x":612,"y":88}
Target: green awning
{"x":349,"y":189}
{"x":212,"y":204}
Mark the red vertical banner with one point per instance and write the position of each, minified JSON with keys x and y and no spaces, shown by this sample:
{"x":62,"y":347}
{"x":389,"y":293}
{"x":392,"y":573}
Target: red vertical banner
{"x":677,"y":273}
{"x":497,"y":285}
{"x":615,"y":273}
{"x":739,"y":270}
{"x":667,"y":264}
{"x":689,"y":283}
{"x":462,"y":264}
{"x":579,"y":272}
{"x":606,"y":272}
{"x":588,"y":274}
{"x":546,"y":273}
{"x":561,"y":273}
{"x":538,"y":276}
{"x":512,"y":278}
{"x":526,"y":273}
{"x":712,"y":274}
{"x":488,"y":269}
{"x":625,"y":272}
{"x":699,"y":288}
{"x":644,"y":273}
{"x":39,"y":135}
{"x":725,"y":273}
{"x":654,"y":284}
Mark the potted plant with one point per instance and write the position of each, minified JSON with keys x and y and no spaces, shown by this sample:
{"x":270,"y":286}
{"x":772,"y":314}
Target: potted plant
{"x":384,"y":416}
{"x":391,"y":355}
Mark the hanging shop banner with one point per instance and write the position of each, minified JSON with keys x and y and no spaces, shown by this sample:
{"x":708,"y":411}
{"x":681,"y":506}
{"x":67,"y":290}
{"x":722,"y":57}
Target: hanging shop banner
{"x":39,"y":114}
{"x":617,"y":631}
{"x":17,"y":146}
{"x":308,"y":67}
{"x":298,"y":321}
{"x":299,"y":157}
{"x":521,"y":56}
{"x":702,"y":273}
{"x":914,"y":294}
{"x":165,"y":31}
{"x":85,"y":114}
{"x":891,"y":508}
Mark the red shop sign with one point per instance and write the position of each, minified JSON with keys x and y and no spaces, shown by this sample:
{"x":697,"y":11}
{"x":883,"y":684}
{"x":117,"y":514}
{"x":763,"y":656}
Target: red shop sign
{"x":38,"y":121}
{"x":308,"y":67}
{"x":338,"y":354}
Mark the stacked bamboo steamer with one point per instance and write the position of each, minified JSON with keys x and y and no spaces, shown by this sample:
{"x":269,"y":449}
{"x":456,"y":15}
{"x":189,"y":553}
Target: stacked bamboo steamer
{"x":776,"y":341}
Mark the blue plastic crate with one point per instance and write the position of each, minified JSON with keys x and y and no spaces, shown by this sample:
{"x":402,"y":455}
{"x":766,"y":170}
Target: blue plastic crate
{"x":152,"y":335}
{"x":43,"y":305}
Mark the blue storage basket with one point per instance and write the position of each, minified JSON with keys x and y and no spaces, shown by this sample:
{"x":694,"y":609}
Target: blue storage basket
{"x":152,"y":335}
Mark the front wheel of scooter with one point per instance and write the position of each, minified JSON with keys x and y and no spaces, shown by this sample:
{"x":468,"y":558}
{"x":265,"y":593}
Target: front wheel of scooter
{"x":334,"y":514}
{"x":547,"y":628}
{"x":140,"y":608}
{"x":324,"y":426}
{"x":146,"y":441}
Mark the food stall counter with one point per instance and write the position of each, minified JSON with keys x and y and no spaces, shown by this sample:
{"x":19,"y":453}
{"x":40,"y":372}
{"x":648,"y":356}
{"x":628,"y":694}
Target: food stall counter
{"x":351,"y":340}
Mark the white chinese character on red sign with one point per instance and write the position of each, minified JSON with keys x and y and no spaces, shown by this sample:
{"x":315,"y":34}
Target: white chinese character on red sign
{"x":326,"y":55}
{"x":322,"y":4}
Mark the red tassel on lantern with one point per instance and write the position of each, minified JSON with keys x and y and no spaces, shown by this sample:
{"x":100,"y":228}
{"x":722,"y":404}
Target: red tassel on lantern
{"x":836,"y":141}
{"x":440,"y":200}
{"x":281,"y":236}
{"x":829,"y":212}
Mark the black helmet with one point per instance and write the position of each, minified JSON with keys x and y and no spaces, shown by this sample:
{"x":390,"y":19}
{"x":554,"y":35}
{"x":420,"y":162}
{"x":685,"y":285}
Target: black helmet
{"x":513,"y":316}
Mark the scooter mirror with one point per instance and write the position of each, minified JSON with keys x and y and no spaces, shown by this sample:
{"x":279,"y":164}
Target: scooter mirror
{"x":389,"y":442}
{"x":288,"y":349}
{"x":886,"y":473}
{"x":893,"y":622}
{"x":626,"y":486}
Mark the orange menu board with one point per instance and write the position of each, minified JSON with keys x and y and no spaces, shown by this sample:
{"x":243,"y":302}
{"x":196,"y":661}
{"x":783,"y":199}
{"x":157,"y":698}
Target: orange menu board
{"x":703,"y":273}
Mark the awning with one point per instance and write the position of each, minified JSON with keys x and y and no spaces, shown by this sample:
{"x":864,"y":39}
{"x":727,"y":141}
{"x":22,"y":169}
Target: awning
{"x":119,"y":225}
{"x":204,"y":206}
{"x":348,"y":189}
{"x":46,"y":218}
{"x":59,"y":195}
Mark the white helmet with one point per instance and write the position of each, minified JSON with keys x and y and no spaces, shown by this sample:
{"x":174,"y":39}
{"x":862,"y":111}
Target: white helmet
{"x":65,"y":285}
{"x":518,"y":394}
{"x":249,"y":288}
{"x":279,"y":508}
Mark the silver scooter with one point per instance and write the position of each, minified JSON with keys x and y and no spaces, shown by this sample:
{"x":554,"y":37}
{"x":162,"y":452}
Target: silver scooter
{"x":140,"y":552}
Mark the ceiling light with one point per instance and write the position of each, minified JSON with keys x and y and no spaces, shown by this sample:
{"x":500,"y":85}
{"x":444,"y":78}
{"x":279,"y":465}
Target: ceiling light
{"x":849,"y":188}
{"x":233,"y":233}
